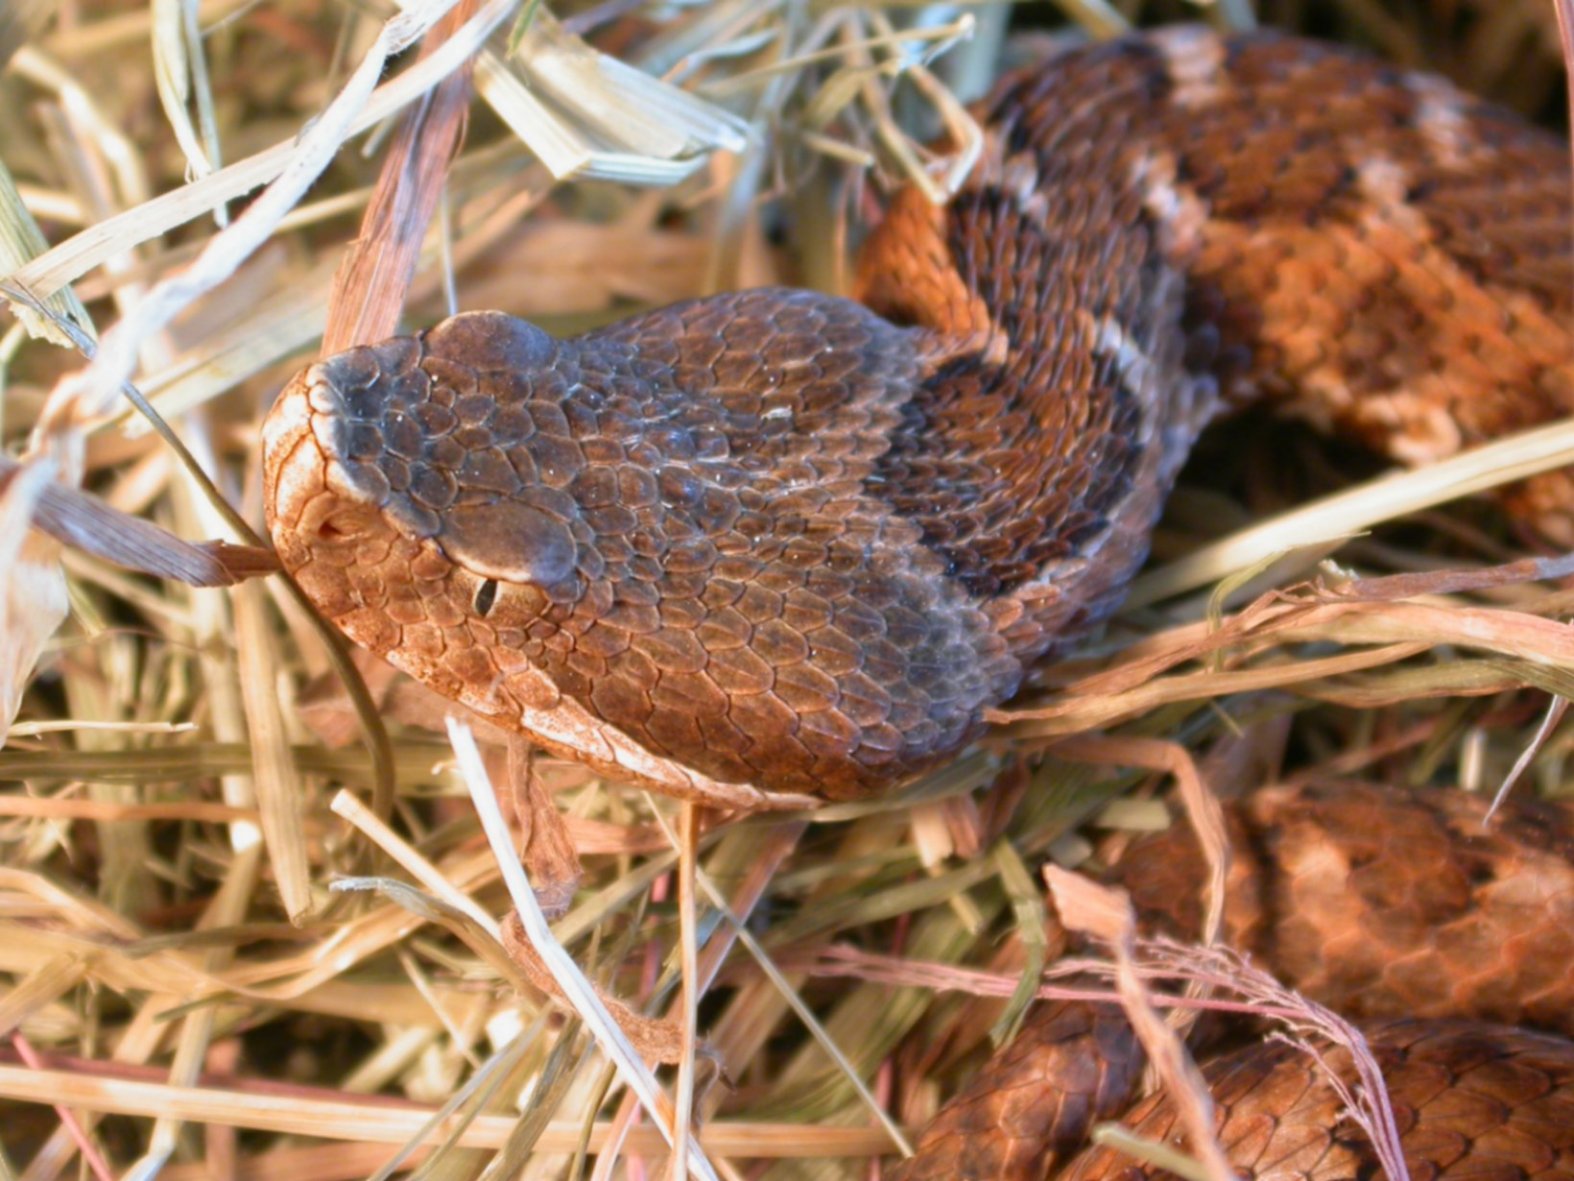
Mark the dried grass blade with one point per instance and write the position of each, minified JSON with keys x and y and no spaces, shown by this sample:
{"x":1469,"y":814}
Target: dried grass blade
{"x":89,"y":394}
{"x":174,"y":70}
{"x":226,"y":908}
{"x":1367,"y":1104}
{"x":45,"y":984}
{"x":33,"y":601}
{"x":374,"y":277}
{"x":1348,"y":513}
{"x":1106,"y":914}
{"x":275,"y":778}
{"x":21,"y":241}
{"x":85,"y":522}
{"x":1031,"y":919}
{"x":70,"y":1124}
{"x":1556,"y":709}
{"x":91,"y":247}
{"x":690,"y":987}
{"x":1202,"y":807}
{"x":315,"y":1113}
{"x":581,"y":994}
{"x":796,"y":1002}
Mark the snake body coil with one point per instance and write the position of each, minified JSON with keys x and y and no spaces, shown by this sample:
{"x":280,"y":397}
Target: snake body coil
{"x":777,"y":542}
{"x":1438,"y":928}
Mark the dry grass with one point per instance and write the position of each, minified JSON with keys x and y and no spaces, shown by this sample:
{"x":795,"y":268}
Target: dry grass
{"x":181,"y":988}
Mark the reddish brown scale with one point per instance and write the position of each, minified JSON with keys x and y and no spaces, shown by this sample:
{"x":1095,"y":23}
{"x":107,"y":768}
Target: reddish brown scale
{"x":772,"y":543}
{"x":1385,"y":903}
{"x":1475,"y":1101}
{"x":1378,"y":903}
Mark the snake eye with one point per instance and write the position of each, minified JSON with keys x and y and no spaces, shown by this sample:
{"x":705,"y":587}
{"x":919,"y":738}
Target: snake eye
{"x":485,"y":596}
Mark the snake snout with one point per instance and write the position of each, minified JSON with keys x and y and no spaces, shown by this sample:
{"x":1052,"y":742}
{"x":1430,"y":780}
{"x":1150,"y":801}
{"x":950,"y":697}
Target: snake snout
{"x":411,"y":436}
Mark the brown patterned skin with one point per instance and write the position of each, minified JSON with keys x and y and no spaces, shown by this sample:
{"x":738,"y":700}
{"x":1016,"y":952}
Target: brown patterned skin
{"x":1069,"y":1066}
{"x":1382,"y":902}
{"x":1376,"y":902}
{"x":776,"y":545}
{"x":1470,"y":1100}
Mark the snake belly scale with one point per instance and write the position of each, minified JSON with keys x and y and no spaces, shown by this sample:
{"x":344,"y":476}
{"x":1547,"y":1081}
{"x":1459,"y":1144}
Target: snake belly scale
{"x":775,"y":545}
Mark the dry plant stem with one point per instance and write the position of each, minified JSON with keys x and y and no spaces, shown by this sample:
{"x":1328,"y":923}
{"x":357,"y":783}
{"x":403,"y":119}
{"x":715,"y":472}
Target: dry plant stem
{"x":1556,"y":709}
{"x":86,"y":395}
{"x":43,"y":986}
{"x":1202,"y":806}
{"x":655,"y":1039}
{"x":690,"y":984}
{"x":374,"y":277}
{"x":276,"y":781}
{"x":85,"y":522}
{"x":1347,"y":513}
{"x":384,"y":1123}
{"x":374,"y":827}
{"x":1147,"y":1151}
{"x":961,"y":127}
{"x":504,"y":946}
{"x":227,"y":908}
{"x":782,"y":842}
{"x":850,"y":963}
{"x":581,"y":995}
{"x":796,"y":1002}
{"x":55,"y":808}
{"x":68,"y":1120}
{"x":346,"y":1161}
{"x":179,"y":68}
{"x":377,"y":741}
{"x":1106,"y":915}
{"x":1368,"y":612}
{"x":546,"y":847}
{"x":1368,"y":1105}
{"x":33,"y":598}
{"x":95,"y":245}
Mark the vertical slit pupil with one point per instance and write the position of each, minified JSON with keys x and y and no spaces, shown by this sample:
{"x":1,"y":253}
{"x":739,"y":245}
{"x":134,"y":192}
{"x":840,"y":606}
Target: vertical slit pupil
{"x":485,"y":596}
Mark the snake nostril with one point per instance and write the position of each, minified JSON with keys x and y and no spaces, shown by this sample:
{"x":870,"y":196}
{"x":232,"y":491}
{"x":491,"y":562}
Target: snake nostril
{"x":341,"y":527}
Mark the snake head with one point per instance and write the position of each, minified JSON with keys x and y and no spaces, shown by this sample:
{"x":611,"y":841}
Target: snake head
{"x":662,"y":542}
{"x":408,"y":443}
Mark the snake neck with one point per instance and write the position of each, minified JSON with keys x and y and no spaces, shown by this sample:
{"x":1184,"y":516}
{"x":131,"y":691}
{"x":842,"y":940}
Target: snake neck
{"x":1037,"y":460}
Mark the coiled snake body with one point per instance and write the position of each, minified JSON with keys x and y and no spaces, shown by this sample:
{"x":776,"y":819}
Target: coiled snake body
{"x":776,"y":545}
{"x":1439,"y":930}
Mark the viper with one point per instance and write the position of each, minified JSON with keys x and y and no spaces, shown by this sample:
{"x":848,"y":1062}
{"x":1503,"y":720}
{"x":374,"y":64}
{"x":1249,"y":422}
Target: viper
{"x":772,"y":547}
{"x":778,"y":543}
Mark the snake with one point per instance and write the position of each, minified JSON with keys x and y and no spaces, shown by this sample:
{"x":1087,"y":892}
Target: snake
{"x":773,"y":547}
{"x":776,"y":545}
{"x":1444,"y":931}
